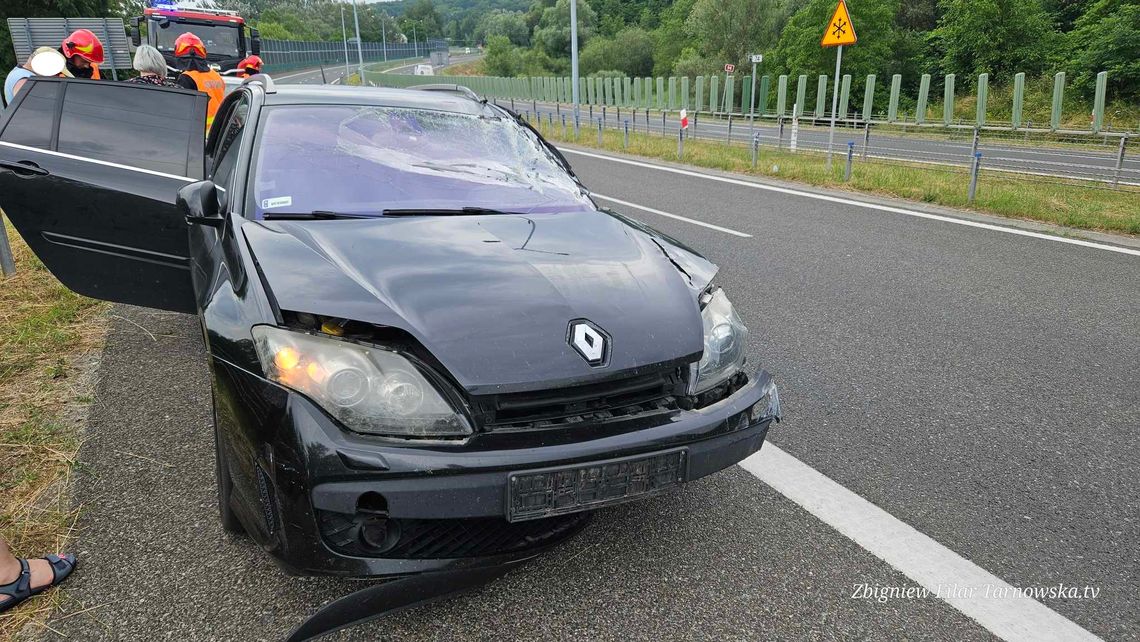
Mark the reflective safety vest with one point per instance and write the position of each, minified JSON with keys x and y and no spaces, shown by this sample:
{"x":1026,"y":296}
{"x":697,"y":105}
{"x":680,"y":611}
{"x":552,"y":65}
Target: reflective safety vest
{"x":211,"y":83}
{"x":95,"y":72}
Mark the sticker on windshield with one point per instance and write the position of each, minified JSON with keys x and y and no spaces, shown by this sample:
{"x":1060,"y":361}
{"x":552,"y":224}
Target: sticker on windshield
{"x":280,"y":201}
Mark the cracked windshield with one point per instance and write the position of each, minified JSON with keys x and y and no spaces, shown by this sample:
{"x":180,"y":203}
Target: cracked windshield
{"x":364,"y":159}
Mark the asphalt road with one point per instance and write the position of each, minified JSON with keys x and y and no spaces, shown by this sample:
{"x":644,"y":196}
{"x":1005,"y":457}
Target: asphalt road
{"x":455,"y":60}
{"x":726,"y":558}
{"x":335,"y":74}
{"x":979,"y":386}
{"x":1085,"y":161}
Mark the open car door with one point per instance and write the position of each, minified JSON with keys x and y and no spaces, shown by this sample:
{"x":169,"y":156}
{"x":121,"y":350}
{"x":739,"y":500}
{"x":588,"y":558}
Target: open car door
{"x":89,"y":171}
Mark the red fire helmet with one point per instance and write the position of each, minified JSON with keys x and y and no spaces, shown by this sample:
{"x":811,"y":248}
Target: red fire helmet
{"x":251,"y":62}
{"x":84,"y":44}
{"x":188,"y":44}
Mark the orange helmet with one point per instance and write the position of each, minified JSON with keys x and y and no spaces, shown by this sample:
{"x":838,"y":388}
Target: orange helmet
{"x":188,"y":44}
{"x":84,"y":44}
{"x":251,"y":63}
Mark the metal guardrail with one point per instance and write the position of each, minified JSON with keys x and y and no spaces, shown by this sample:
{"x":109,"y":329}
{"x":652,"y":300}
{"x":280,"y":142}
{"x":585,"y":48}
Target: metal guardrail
{"x":1080,"y":157}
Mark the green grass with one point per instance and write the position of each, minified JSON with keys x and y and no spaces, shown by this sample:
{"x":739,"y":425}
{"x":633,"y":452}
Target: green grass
{"x":45,"y":325}
{"x":1055,"y":201}
{"x":475,"y":67}
{"x":1037,"y":107}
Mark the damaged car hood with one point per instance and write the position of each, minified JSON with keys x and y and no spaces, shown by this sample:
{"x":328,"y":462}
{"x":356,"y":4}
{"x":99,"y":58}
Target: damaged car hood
{"x":492,"y":297}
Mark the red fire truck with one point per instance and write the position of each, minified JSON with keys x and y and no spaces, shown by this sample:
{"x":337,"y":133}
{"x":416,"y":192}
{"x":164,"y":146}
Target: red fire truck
{"x":228,"y":39}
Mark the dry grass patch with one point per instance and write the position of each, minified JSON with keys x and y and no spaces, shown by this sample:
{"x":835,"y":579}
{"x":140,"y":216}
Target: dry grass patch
{"x":47,"y":331}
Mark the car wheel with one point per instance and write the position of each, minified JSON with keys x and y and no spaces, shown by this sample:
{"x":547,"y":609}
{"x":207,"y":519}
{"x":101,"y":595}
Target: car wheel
{"x":230,"y":522}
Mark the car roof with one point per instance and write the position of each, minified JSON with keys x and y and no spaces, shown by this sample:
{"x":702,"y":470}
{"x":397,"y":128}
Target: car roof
{"x":374,"y":96}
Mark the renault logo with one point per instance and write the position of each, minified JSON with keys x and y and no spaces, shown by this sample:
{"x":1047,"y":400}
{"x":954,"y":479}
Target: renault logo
{"x":590,"y":341}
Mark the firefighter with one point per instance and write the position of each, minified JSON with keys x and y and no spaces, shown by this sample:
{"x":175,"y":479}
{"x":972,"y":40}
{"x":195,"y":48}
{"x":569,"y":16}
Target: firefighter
{"x":197,"y":74}
{"x":84,"y":54}
{"x":251,"y":66}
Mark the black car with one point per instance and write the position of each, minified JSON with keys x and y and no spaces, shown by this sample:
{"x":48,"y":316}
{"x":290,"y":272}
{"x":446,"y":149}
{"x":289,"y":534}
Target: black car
{"x":429,"y":347}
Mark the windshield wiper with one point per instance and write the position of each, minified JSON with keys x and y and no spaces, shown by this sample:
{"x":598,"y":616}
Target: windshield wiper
{"x":464,"y":211}
{"x":318,"y":215}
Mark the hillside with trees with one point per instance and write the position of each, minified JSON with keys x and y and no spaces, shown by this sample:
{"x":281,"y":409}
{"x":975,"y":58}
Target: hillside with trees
{"x":697,"y":37}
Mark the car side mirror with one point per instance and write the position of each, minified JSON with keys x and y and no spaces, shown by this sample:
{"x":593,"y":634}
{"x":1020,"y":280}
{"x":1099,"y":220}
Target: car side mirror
{"x":136,"y":33}
{"x":254,"y":41}
{"x":200,"y":204}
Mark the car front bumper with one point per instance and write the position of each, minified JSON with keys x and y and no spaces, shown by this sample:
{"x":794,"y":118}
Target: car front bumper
{"x":311,"y":479}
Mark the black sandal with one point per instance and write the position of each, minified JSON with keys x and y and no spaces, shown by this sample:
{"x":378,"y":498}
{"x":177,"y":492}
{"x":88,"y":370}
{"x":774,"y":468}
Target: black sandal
{"x":21,"y":588}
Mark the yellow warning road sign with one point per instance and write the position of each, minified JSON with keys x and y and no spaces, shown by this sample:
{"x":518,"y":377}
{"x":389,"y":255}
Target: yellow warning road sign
{"x":840,"y":31}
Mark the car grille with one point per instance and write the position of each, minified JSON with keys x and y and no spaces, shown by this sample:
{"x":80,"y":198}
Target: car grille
{"x":451,"y":538}
{"x":594,"y":403}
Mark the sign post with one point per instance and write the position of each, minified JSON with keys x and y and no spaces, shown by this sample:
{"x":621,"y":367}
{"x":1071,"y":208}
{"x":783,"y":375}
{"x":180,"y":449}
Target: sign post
{"x":728,"y":69}
{"x":839,"y":32}
{"x":755,"y":58}
{"x":574,"y":61}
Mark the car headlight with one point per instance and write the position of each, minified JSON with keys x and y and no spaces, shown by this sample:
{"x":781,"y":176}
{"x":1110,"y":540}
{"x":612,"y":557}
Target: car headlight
{"x":725,"y":339}
{"x":368,"y":389}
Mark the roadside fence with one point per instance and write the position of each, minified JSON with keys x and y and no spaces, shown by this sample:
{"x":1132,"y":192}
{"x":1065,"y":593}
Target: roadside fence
{"x":961,"y":156}
{"x":285,"y":55}
{"x":1098,"y":159}
{"x":776,"y":98}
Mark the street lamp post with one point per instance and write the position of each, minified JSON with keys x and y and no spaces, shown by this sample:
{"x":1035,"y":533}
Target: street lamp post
{"x":359,"y":48}
{"x":344,"y":34}
{"x":574,"y":58}
{"x":384,"y":34}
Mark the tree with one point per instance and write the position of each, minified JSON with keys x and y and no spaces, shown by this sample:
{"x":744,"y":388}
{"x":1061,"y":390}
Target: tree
{"x":371,"y":19}
{"x":798,"y":50}
{"x":552,"y":35}
{"x":629,"y":51}
{"x":1107,"y":38}
{"x":999,"y":37}
{"x":501,"y":57}
{"x":505,"y":59}
{"x":423,"y":18}
{"x":692,"y":63}
{"x":1066,"y":12}
{"x":511,"y":24}
{"x":726,"y":31}
{"x":671,"y":36}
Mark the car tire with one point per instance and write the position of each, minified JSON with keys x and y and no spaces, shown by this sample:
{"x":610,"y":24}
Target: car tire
{"x":230,"y":522}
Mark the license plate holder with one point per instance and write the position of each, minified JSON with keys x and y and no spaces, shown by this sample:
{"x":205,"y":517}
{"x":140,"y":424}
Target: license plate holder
{"x":534,"y":494}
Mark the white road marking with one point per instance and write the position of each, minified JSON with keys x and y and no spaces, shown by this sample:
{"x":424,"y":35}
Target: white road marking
{"x":668,"y":215}
{"x":302,"y":73}
{"x":848,"y":201}
{"x":931,"y":565}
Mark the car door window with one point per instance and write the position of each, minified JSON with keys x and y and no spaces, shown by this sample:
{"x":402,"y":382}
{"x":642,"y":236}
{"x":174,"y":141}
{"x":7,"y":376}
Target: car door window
{"x":226,"y":151}
{"x":144,"y":127}
{"x":31,"y":123}
{"x":99,"y":208}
